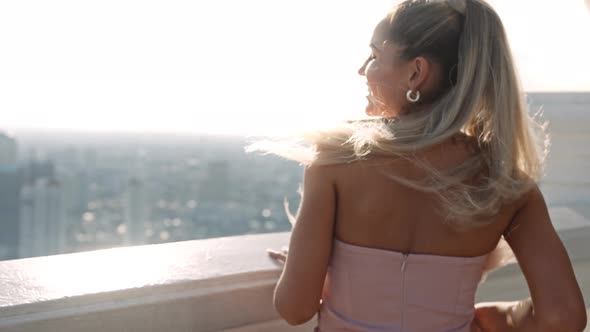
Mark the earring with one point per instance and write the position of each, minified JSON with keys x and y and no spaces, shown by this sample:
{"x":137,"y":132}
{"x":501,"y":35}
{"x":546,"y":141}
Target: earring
{"x":412,"y":99}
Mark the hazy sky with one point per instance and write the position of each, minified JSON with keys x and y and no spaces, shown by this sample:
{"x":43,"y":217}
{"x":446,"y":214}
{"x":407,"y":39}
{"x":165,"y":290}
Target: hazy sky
{"x":230,"y":66}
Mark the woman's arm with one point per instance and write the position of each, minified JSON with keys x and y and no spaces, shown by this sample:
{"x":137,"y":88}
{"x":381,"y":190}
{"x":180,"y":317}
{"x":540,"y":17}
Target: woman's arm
{"x":556,"y":302}
{"x":299,"y":289}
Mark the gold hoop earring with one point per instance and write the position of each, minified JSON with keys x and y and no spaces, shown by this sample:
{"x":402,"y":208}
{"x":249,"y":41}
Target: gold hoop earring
{"x":412,"y":99}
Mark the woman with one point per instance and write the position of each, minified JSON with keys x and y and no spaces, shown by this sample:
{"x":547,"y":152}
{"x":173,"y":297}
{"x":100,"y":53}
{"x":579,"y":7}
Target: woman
{"x":401,"y":216}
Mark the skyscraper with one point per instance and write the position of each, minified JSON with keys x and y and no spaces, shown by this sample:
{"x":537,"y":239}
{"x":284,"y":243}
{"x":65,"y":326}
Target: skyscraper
{"x":27,"y":221}
{"x":43,"y":226}
{"x":8,"y":150}
{"x":10,"y":183}
{"x":136,"y":212}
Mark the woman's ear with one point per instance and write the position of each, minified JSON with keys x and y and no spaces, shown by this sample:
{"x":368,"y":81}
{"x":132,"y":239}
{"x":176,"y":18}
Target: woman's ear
{"x":419,"y":73}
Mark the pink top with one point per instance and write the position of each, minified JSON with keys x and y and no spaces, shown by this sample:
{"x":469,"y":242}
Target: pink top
{"x":370,"y":289}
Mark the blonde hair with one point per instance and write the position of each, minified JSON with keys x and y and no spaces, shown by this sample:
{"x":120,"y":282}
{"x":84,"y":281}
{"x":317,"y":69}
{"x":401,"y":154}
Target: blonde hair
{"x":481,"y":97}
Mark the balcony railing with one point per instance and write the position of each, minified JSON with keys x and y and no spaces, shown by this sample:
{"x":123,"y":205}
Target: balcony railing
{"x":222,"y":284}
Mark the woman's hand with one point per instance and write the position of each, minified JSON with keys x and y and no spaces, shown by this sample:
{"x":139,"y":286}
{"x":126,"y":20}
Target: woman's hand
{"x":504,"y":316}
{"x":279,"y":256}
{"x":493,"y":316}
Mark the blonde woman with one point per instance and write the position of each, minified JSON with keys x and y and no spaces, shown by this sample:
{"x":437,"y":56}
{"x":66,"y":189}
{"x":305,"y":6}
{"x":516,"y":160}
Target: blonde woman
{"x":402,"y":215}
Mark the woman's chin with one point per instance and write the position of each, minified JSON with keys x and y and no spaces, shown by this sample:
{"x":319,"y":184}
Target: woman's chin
{"x":371,"y":110}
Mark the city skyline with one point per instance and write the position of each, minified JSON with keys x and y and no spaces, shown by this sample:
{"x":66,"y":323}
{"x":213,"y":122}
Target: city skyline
{"x":58,"y":198}
{"x":64,"y":192}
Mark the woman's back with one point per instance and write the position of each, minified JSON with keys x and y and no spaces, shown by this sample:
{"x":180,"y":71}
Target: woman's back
{"x":394,"y":264}
{"x":377,"y":212}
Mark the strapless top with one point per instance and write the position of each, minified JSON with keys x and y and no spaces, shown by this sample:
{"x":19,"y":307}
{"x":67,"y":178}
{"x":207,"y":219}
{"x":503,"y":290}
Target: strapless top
{"x":370,"y":289}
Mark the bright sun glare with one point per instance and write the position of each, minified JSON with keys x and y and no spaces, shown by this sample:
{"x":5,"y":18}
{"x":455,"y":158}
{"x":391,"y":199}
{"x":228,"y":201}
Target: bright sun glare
{"x":196,"y":66}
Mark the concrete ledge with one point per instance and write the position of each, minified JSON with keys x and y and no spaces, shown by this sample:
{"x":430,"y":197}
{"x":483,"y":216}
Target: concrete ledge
{"x":183,"y":286}
{"x":222,"y":284}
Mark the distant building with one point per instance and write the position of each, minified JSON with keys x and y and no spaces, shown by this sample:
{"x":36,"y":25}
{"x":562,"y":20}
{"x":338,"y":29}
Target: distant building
{"x":10,"y":183}
{"x":9,"y":211}
{"x":27,"y":222}
{"x":38,"y":169}
{"x":136,"y":212}
{"x":8,"y":150}
{"x":43,"y":226}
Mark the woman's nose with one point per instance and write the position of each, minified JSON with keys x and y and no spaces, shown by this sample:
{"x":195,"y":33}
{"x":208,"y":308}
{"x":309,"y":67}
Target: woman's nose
{"x":362,"y":69}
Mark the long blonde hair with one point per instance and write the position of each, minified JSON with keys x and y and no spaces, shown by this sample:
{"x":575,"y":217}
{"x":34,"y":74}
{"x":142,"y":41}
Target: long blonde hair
{"x":481,"y":98}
